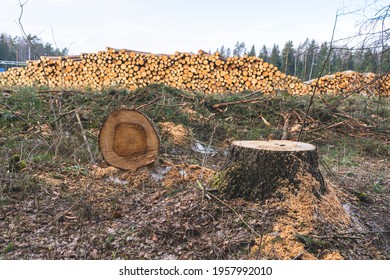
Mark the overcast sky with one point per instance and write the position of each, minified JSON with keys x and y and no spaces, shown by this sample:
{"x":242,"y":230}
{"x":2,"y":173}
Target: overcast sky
{"x":167,"y":26}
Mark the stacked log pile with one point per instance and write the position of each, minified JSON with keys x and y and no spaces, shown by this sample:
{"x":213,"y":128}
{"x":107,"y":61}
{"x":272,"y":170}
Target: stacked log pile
{"x":201,"y":72}
{"x":351,"y":81}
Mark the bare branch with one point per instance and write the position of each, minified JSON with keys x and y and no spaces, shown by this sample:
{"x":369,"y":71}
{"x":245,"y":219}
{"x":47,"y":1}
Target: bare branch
{"x":319,"y":76}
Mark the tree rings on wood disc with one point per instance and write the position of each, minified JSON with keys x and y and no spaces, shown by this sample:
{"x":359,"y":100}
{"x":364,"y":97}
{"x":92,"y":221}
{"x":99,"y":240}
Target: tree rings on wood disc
{"x":128,"y":140}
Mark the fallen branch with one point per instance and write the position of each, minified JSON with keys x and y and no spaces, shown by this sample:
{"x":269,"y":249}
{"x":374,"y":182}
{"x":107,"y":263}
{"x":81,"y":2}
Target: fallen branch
{"x":349,"y":235}
{"x":246,"y":101}
{"x":16,"y":114}
{"x":345,"y":115}
{"x":328,"y":126}
{"x":149,"y":103}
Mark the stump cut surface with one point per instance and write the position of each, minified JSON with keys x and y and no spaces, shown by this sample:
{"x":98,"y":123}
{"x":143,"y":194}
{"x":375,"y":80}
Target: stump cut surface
{"x":276,"y":145}
{"x":128,"y":140}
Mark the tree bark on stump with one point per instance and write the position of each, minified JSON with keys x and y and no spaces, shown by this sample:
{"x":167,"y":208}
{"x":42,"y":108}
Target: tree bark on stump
{"x":257,"y":168}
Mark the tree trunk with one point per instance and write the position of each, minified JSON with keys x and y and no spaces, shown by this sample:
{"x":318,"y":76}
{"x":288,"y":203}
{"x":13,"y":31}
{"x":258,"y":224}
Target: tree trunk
{"x":257,"y":168}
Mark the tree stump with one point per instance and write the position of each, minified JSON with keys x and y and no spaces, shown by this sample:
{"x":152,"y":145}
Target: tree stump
{"x":257,"y":168}
{"x":128,"y":140}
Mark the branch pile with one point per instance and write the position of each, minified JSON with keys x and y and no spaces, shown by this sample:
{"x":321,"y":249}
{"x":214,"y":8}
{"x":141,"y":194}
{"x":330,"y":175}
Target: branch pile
{"x":202,"y":72}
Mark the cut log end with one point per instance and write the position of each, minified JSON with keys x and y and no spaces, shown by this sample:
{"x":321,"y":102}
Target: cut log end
{"x":128,"y":140}
{"x":257,"y":168}
{"x":276,"y":145}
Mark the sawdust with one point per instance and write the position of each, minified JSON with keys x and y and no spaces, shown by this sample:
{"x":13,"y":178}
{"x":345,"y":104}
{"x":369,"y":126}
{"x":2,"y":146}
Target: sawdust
{"x":299,"y":211}
{"x":136,"y":179}
{"x":186,"y":173}
{"x":101,"y":172}
{"x":166,"y":173}
{"x":49,"y":180}
{"x":302,"y":213}
{"x":333,"y":256}
{"x":177,"y":134}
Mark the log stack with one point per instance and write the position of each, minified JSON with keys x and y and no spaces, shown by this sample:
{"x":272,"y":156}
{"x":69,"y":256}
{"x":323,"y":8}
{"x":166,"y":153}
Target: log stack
{"x":201,"y":72}
{"x":351,"y":81}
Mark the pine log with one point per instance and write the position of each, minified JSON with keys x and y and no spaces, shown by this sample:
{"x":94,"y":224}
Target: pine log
{"x":257,"y":168}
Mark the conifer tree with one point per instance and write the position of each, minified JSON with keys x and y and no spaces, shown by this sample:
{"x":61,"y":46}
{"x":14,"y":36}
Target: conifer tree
{"x":239,"y":49}
{"x":252,"y":52}
{"x":322,"y":55}
{"x":370,"y":61}
{"x":223,"y":51}
{"x":228,"y":52}
{"x":386,"y":60}
{"x":287,"y":63}
{"x":263,"y":54}
{"x":312,"y":52}
{"x":275,"y":56}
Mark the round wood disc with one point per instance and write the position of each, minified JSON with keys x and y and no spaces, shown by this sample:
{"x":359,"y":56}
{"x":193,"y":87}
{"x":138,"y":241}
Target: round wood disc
{"x":128,"y":140}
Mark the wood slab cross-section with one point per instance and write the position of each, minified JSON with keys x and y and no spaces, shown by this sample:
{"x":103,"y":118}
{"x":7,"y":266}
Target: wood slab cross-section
{"x":128,"y":140}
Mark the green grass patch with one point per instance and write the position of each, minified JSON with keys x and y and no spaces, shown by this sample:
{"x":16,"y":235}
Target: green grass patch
{"x":8,"y":248}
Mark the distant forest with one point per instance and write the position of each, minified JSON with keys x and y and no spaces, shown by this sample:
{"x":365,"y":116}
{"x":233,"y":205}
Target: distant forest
{"x":18,"y":49}
{"x":304,"y":61}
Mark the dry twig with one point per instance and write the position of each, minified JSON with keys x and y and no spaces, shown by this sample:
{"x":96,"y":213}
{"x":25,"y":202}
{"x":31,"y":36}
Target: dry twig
{"x":85,"y":138}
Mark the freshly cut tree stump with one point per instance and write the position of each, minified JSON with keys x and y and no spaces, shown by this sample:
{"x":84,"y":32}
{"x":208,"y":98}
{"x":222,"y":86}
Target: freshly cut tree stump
{"x":257,"y":168}
{"x":128,"y":140}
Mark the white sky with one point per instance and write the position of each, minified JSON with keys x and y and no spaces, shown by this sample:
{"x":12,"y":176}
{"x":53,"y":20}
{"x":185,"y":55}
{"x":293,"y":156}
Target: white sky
{"x":167,"y":26}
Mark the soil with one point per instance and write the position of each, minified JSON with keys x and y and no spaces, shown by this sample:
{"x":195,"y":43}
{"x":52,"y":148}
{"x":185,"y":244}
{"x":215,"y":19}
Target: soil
{"x":75,"y":209}
{"x":159,"y":213}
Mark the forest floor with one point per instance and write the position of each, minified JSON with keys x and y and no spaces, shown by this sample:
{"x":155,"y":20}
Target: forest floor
{"x":58,"y":201}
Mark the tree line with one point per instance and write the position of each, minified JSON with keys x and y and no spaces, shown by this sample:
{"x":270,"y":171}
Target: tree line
{"x":308,"y":59}
{"x":21,"y":49}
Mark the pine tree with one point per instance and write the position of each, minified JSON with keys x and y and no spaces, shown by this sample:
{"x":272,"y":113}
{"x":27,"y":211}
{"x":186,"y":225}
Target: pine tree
{"x":322,"y":55}
{"x":228,"y":52}
{"x":336,"y":63}
{"x":298,"y":61}
{"x":223,"y":51}
{"x":350,"y":61}
{"x":288,"y":54}
{"x":385,"y":67}
{"x":252,"y":51}
{"x":264,"y":54}
{"x":358,"y":60}
{"x":275,"y":56}
{"x":4,"y":49}
{"x":242,"y":48}
{"x":311,"y":59}
{"x":239,"y":49}
{"x":305,"y":48}
{"x":236,"y":50}
{"x":370,"y":61}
